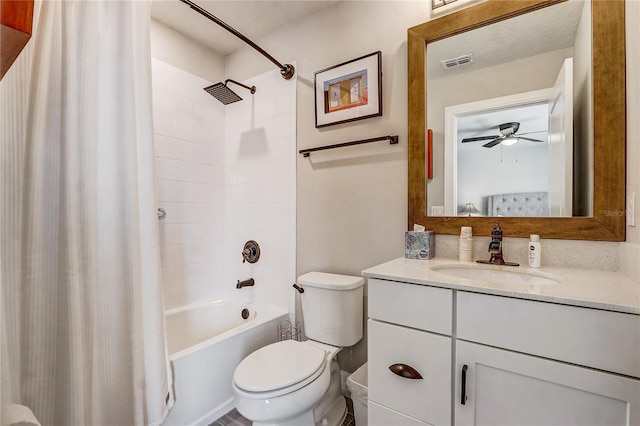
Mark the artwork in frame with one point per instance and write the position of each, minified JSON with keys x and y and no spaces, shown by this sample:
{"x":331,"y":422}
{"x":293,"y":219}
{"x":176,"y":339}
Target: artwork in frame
{"x":349,"y":91}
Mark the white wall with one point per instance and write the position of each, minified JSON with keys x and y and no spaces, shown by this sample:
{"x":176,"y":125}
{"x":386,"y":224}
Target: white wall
{"x":630,"y":250}
{"x":189,"y":165}
{"x":174,"y":48}
{"x":189,"y":171}
{"x":260,"y":191}
{"x":500,"y":170}
{"x":583,"y":118}
{"x":499,"y":80}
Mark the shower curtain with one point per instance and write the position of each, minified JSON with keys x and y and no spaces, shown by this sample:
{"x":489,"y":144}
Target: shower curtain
{"x":86,"y":343}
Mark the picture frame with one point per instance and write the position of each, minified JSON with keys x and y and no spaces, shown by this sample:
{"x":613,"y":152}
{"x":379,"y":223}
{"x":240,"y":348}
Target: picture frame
{"x":349,"y":91}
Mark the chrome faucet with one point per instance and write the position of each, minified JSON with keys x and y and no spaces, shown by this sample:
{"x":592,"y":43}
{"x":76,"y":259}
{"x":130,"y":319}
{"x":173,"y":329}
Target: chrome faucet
{"x":495,"y":248}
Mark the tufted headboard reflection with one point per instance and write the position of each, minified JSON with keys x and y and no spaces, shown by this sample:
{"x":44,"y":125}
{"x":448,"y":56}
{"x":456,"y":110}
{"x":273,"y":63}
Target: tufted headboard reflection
{"x":518,"y":204}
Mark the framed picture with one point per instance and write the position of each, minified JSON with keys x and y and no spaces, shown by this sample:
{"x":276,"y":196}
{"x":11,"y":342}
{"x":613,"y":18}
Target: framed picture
{"x":349,"y":91}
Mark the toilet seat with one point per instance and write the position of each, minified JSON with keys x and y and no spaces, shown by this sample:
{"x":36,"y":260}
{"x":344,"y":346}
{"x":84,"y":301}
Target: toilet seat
{"x":279,"y":368}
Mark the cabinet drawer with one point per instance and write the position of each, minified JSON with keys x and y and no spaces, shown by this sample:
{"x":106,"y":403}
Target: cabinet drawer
{"x":427,"y":399}
{"x":417,"y":306}
{"x":383,"y":416}
{"x":572,"y":334}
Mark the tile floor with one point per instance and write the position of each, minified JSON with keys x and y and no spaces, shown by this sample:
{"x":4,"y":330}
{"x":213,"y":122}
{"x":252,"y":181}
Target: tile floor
{"x":233,"y":418}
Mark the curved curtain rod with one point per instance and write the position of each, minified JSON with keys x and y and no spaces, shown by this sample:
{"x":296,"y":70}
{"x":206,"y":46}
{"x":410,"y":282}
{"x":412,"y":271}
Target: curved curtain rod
{"x":287,"y":70}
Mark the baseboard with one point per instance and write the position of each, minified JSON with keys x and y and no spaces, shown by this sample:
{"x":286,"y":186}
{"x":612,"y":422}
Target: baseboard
{"x":215,"y":414}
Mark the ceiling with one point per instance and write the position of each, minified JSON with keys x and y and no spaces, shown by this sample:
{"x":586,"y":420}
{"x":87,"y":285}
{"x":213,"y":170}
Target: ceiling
{"x":545,"y":30}
{"x":254,"y":19}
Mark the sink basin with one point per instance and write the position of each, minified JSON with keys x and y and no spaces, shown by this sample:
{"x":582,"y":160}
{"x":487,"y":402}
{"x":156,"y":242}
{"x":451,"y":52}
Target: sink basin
{"x":496,"y":274}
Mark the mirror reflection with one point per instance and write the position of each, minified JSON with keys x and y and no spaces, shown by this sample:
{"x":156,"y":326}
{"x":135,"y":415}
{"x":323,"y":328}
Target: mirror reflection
{"x":510,"y":106}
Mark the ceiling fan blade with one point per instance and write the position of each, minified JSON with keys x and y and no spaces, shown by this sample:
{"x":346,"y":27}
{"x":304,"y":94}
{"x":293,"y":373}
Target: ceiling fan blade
{"x":493,"y":143}
{"x":529,"y":133}
{"x":480,"y":138}
{"x":529,"y":139}
{"x":505,"y":127}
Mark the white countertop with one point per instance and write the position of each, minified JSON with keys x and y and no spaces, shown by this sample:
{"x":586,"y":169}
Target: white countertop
{"x":578,"y":287}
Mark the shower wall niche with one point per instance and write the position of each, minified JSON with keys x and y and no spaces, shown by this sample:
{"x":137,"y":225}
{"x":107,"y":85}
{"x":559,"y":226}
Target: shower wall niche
{"x":224,"y":175}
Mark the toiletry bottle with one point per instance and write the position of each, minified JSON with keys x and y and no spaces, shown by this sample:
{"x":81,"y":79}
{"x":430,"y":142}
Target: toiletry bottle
{"x":535,"y":252}
{"x":465,"y":248}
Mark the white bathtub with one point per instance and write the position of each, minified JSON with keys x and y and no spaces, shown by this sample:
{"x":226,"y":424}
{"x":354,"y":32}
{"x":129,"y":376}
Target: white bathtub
{"x":206,"y":342}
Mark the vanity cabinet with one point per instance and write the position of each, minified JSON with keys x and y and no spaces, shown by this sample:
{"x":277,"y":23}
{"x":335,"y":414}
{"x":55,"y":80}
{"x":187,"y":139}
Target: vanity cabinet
{"x":496,"y":360}
{"x":508,"y":388}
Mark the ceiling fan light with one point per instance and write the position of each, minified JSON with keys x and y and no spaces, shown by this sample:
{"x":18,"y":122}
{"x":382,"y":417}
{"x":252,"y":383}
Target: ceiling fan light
{"x":509,"y":140}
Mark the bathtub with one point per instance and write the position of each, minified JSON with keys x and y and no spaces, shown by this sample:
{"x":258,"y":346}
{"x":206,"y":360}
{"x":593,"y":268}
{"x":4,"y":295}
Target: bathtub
{"x":206,"y":342}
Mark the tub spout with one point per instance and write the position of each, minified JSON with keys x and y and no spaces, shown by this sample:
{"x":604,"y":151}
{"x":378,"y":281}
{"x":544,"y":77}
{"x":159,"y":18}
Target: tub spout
{"x":246,"y":283}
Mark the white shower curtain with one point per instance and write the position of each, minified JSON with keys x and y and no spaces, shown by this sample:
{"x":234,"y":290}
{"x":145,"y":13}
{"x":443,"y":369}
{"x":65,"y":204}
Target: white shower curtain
{"x":91,"y":339}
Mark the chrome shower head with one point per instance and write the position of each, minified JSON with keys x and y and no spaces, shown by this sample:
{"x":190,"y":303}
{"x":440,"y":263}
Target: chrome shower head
{"x":221,"y":92}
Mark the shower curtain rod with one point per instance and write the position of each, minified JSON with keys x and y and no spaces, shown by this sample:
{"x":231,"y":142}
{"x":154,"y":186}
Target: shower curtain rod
{"x":287,"y":70}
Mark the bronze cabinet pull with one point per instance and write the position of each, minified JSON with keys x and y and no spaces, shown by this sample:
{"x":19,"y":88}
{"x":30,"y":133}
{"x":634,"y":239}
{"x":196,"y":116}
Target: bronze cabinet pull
{"x":406,"y":371}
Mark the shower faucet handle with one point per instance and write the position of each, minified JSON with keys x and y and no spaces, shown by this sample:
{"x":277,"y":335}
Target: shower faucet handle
{"x":245,"y":254}
{"x":251,"y":252}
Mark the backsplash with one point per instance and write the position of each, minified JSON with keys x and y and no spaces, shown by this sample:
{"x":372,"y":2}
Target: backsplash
{"x":599,"y":255}
{"x":629,"y":265}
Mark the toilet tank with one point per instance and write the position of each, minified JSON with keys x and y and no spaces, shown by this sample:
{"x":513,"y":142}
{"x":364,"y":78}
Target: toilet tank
{"x":332,"y":307}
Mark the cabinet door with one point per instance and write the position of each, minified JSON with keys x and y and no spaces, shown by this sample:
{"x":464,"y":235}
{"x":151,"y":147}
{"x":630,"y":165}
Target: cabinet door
{"x":508,"y":388}
{"x":427,"y":399}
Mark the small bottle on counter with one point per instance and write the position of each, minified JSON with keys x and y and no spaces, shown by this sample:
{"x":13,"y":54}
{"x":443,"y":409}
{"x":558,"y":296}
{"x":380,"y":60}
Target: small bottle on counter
{"x":465,"y":249}
{"x":535,"y":251}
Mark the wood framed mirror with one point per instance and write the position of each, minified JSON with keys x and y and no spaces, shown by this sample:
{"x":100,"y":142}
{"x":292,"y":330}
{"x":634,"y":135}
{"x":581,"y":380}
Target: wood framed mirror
{"x":609,"y":124}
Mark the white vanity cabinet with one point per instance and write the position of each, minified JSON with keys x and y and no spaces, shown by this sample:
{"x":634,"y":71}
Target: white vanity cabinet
{"x":508,"y":388}
{"x":496,"y":360}
{"x":528,"y":362}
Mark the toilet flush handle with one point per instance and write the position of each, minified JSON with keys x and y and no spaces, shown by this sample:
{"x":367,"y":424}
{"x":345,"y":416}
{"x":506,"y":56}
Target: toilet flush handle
{"x":297,"y":287}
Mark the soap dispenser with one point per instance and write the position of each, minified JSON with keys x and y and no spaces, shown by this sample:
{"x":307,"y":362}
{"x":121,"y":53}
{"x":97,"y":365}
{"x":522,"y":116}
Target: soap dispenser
{"x":535,"y":252}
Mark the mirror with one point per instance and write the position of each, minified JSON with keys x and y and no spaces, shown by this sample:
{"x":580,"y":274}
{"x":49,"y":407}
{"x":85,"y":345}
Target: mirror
{"x":521,"y":70}
{"x":607,"y":219}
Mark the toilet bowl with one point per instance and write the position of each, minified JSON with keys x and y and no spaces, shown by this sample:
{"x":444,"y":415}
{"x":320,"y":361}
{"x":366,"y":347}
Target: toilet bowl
{"x":298,"y":383}
{"x":284,"y":383}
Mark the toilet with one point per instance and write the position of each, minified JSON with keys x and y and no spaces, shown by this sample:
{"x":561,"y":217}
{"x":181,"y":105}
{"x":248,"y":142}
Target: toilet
{"x":298,"y":383}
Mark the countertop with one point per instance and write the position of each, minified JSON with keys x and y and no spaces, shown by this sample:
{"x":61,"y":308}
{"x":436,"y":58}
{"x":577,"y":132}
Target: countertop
{"x":589,"y":288}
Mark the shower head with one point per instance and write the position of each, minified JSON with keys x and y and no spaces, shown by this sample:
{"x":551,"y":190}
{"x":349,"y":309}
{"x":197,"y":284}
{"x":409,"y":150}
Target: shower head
{"x":221,"y":92}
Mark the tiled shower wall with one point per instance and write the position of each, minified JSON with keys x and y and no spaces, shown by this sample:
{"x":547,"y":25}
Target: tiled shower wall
{"x":189,"y":168}
{"x":225,"y":175}
{"x":260,"y":178}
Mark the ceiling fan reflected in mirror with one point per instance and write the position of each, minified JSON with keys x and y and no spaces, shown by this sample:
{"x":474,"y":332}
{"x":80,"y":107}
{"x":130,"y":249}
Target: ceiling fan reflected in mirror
{"x":508,"y":136}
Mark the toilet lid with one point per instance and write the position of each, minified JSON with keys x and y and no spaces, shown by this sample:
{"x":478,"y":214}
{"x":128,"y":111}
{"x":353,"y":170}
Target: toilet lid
{"x":278,"y":365}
